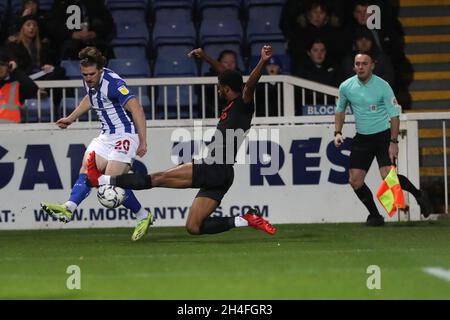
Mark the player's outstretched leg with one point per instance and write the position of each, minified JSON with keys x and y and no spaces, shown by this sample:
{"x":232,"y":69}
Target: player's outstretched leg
{"x":422,"y":198}
{"x":64,"y":212}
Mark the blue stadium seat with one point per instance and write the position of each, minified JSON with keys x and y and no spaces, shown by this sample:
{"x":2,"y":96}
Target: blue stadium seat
{"x":130,"y":52}
{"x":215,"y":3}
{"x":130,"y":68}
{"x":213,"y":50}
{"x":170,"y":15}
{"x":249,"y":3}
{"x":221,"y":13}
{"x":72,"y":68}
{"x":182,"y":32}
{"x":31,"y":110}
{"x":126,"y":4}
{"x":129,"y":33}
{"x":220,"y":30}
{"x":175,"y":67}
{"x":157,"y":4}
{"x":263,"y":24}
{"x":175,"y":63}
{"x":129,"y":16}
{"x":176,"y":52}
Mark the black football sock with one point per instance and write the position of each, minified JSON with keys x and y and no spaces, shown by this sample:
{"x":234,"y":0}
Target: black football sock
{"x":365,"y":195}
{"x":408,"y":186}
{"x":216,"y":225}
{"x":135,"y":181}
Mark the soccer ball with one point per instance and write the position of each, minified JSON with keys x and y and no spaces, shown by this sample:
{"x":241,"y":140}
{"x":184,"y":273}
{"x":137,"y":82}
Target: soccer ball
{"x":110,"y":196}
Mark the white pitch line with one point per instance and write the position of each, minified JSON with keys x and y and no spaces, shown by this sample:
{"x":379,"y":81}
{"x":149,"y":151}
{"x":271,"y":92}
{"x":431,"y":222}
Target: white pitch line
{"x":438,"y":272}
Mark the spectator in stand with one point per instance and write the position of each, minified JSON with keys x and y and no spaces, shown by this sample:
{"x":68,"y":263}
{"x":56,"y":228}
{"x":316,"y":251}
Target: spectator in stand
{"x":96,"y":28}
{"x":15,"y":87}
{"x":30,"y":7}
{"x":227,"y":60}
{"x":273,"y":67}
{"x":317,"y":22}
{"x":31,"y":54}
{"x":318,"y":66}
{"x":387,"y":39}
{"x":365,"y":43}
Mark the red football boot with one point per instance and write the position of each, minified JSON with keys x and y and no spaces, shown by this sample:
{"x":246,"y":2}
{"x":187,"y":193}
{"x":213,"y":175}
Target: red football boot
{"x":255,"y":220}
{"x":92,"y":171}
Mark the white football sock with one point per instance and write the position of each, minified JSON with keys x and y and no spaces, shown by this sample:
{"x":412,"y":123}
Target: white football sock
{"x":141,"y":214}
{"x":71,"y":206}
{"x":240,"y":222}
{"x":104,"y":179}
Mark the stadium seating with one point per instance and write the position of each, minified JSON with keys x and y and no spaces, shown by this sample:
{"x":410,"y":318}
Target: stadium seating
{"x":157,"y":4}
{"x":222,"y":9}
{"x":32,"y":113}
{"x":129,"y":33}
{"x":263,"y":24}
{"x":172,"y":61}
{"x":138,"y":52}
{"x":174,"y":32}
{"x":225,"y":29}
{"x":72,"y":68}
{"x":250,"y":3}
{"x":126,"y":4}
{"x":130,"y":68}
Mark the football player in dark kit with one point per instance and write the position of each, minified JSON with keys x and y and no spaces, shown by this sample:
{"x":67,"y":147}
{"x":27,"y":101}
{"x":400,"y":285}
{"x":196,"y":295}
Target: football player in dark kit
{"x":212,"y":175}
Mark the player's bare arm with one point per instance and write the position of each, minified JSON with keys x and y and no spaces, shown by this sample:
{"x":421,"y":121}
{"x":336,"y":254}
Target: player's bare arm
{"x":339,"y":124}
{"x":200,"y":54}
{"x":249,"y":88}
{"x":84,"y":106}
{"x":137,"y":112}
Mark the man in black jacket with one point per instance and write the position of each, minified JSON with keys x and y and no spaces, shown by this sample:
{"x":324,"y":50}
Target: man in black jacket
{"x":96,"y":28}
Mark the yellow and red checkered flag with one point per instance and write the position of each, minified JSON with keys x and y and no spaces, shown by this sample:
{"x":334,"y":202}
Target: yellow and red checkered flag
{"x":390,"y":193}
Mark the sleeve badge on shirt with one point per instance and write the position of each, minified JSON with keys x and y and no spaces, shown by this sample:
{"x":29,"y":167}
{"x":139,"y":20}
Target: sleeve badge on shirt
{"x":123,"y":90}
{"x":394,"y":101}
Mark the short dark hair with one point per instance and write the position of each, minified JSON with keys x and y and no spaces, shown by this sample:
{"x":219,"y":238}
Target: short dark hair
{"x":90,"y":56}
{"x":367,"y":53}
{"x":316,"y":40}
{"x":225,"y":52}
{"x":233,"y":79}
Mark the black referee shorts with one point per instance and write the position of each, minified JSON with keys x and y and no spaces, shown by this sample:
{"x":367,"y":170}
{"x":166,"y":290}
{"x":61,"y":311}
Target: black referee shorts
{"x":366,"y":147}
{"x":214,"y":180}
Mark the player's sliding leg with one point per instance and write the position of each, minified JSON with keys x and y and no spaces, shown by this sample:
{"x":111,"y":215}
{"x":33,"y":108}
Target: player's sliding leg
{"x":177,"y":177}
{"x":144,"y":217}
{"x":79,"y":192}
{"x":421,"y":196}
{"x":364,"y":194}
{"x":199,"y":220}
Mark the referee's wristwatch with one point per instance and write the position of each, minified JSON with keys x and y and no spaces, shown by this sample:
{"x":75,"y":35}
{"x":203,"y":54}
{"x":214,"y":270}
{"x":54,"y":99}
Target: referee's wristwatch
{"x":337,"y":132}
{"x":394,"y":140}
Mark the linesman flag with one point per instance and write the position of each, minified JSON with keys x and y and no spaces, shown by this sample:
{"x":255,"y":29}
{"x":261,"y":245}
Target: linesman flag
{"x":390,"y":193}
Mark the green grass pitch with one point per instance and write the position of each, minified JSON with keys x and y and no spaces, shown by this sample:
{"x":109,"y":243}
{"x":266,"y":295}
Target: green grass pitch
{"x":317,"y":261}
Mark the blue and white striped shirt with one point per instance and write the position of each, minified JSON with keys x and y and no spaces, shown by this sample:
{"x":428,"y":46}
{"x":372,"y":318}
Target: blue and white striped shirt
{"x":109,"y":103}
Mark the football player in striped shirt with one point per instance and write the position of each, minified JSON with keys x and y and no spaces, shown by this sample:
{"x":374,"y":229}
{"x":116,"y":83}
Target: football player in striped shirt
{"x":122,"y":137}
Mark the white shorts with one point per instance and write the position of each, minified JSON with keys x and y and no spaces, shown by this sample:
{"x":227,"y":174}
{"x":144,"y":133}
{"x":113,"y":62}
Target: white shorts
{"x":120,"y":147}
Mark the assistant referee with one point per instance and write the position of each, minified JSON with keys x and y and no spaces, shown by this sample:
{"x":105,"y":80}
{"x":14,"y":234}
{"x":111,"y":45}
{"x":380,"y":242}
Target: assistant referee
{"x":377,"y":122}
